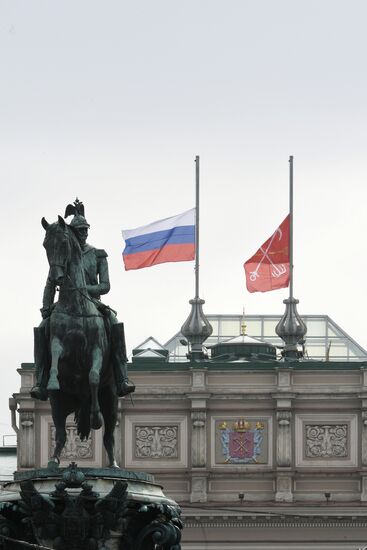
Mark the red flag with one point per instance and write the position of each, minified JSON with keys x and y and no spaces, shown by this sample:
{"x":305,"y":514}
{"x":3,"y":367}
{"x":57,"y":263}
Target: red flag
{"x":268,"y":269}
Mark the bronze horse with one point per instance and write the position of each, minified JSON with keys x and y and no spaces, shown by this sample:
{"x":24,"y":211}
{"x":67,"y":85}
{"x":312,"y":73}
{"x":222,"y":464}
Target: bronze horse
{"x":81,"y":377}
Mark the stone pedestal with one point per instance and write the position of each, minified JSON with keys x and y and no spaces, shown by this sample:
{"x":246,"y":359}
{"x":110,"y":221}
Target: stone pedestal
{"x":88,"y":509}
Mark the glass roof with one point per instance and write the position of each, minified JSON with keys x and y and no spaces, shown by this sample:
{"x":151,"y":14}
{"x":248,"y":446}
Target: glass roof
{"x":324,"y":337}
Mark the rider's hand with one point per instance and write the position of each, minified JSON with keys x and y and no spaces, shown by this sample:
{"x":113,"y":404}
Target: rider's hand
{"x":45,"y":312}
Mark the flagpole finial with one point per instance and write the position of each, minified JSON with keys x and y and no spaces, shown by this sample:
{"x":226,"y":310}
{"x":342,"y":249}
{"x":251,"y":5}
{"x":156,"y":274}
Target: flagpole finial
{"x":196,"y":329}
{"x":243,"y":323}
{"x":291,"y":329}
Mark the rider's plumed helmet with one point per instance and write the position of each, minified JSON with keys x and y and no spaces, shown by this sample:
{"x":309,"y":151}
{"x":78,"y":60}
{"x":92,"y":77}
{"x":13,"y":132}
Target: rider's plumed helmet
{"x":77,"y":209}
{"x":79,"y":221}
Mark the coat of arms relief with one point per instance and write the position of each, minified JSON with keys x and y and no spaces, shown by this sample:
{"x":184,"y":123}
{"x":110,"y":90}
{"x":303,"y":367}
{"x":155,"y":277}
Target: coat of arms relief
{"x":242,"y":441}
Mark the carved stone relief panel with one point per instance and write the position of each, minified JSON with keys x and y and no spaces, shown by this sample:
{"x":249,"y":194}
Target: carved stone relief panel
{"x":75,"y":449}
{"x":156,"y":441}
{"x":324,"y":440}
{"x":87,"y":453}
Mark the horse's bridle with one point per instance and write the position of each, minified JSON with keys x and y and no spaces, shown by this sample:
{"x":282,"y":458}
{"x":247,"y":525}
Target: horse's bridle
{"x":57,"y":262}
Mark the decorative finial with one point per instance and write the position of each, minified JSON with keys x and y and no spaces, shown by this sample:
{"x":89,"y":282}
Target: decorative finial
{"x":243,"y":323}
{"x":196,"y":329}
{"x":291,"y":329}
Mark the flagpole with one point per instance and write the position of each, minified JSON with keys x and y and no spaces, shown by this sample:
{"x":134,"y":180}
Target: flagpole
{"x":291,"y":226}
{"x":197,"y":184}
{"x":196,"y":327}
{"x":291,"y":328}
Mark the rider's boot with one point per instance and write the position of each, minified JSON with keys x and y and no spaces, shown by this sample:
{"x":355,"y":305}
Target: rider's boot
{"x":119,"y":359}
{"x":39,"y":391}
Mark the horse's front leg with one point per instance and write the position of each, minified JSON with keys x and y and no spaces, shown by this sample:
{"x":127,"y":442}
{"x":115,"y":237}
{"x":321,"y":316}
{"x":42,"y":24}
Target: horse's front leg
{"x":60,"y":440}
{"x":56,"y":351}
{"x":108,"y":399}
{"x":94,"y":377}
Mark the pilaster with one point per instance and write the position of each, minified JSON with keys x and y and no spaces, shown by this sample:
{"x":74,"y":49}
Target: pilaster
{"x":198,"y":397}
{"x":198,"y":379}
{"x":198,"y":430}
{"x":198,"y":439}
{"x":27,"y":436}
{"x":284,"y":479}
{"x":364,"y":488}
{"x":284,"y":442}
{"x":284,"y":438}
{"x":364,"y":420}
{"x":284,"y":487}
{"x":364,"y":439}
{"x":199,"y":487}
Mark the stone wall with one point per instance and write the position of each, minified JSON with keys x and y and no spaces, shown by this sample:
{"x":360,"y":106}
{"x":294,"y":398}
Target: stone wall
{"x":275,"y":435}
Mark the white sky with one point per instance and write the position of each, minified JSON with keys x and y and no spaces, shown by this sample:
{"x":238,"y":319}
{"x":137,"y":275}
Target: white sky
{"x":111,"y":101}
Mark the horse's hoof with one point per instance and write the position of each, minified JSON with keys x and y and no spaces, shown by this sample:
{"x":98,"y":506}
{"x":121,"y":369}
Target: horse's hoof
{"x":53,"y":385}
{"x":53,"y":464}
{"x":114,"y":465}
{"x":39,"y":392}
{"x":96,"y":421}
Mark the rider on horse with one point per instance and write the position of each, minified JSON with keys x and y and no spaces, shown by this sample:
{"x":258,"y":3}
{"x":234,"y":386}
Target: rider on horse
{"x":98,"y":283}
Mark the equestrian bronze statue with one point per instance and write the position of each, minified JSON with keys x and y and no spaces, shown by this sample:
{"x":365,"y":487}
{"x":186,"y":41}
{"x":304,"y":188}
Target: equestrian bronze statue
{"x":80,"y":353}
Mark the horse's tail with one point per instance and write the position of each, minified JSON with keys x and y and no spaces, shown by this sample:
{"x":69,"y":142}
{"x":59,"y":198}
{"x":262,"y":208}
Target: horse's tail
{"x":75,"y":344}
{"x":82,"y":419}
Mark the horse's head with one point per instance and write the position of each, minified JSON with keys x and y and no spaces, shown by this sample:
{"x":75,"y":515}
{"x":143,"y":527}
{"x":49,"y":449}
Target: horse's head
{"x":58,"y":248}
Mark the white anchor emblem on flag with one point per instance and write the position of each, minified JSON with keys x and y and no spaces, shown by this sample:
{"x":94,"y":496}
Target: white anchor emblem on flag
{"x":278,"y":269}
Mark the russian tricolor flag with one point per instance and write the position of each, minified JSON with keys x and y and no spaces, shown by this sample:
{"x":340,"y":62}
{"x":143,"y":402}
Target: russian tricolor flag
{"x":168,"y":240}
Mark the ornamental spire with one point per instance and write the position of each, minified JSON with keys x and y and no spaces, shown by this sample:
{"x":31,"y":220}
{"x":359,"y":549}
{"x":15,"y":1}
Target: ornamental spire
{"x":243,"y":323}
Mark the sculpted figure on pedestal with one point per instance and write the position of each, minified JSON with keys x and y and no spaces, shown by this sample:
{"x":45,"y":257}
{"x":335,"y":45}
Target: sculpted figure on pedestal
{"x":80,"y":353}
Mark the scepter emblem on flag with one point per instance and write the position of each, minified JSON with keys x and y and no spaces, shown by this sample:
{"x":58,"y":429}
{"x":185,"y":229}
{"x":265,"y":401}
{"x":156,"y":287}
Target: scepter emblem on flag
{"x":278,"y":269}
{"x":268,"y":269}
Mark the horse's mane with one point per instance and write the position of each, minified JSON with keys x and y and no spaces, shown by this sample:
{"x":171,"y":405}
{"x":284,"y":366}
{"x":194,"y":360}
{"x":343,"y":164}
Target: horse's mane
{"x":53,"y":227}
{"x":73,"y":237}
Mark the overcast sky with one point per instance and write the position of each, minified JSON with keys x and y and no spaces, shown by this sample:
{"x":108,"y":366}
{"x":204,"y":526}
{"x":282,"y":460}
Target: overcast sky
{"x":111,"y":101}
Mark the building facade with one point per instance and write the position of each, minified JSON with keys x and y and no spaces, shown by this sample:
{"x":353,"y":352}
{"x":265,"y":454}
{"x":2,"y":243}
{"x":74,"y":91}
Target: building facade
{"x":259,"y":453}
